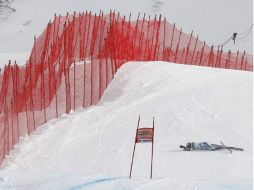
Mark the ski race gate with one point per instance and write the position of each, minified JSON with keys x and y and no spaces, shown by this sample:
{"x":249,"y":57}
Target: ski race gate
{"x":143,"y":135}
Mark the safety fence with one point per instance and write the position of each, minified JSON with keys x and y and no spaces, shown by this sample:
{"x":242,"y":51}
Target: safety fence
{"x":73,"y":61}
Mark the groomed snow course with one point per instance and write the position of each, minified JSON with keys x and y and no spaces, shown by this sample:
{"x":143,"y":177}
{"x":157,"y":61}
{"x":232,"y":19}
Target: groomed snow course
{"x":92,"y":148}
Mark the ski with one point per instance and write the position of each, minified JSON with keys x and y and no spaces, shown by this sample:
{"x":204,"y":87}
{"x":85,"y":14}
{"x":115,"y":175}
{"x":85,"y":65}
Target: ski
{"x":223,"y":146}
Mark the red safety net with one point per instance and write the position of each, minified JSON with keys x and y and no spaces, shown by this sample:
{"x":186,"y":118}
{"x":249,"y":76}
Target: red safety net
{"x":75,"y":58}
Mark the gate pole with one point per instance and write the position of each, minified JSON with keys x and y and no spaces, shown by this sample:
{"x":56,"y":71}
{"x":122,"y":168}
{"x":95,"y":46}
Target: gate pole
{"x":134,"y":147}
{"x":151,"y":174}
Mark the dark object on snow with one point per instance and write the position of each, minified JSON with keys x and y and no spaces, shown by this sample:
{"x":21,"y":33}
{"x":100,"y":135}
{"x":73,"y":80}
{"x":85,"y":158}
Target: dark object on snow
{"x":204,"y":146}
{"x":234,"y":37}
{"x":5,"y":9}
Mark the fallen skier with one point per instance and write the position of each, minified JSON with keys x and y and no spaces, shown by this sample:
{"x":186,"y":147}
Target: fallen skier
{"x":204,"y":146}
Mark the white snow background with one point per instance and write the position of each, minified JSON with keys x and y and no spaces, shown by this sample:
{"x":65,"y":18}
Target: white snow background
{"x":92,"y":148}
{"x":214,"y":20}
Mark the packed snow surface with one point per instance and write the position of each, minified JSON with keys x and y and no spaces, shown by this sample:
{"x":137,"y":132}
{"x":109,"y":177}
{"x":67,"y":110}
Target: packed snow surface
{"x":92,"y":148}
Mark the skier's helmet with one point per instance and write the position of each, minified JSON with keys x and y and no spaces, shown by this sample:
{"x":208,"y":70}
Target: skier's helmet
{"x":188,"y":145}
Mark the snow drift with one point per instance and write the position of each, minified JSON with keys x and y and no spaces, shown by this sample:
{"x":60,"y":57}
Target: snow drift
{"x":92,"y":148}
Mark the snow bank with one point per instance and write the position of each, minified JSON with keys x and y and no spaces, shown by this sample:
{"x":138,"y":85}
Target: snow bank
{"x":92,"y":148}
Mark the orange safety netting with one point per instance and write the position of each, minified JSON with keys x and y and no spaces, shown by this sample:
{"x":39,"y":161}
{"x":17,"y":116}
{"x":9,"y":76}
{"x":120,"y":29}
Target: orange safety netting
{"x":73,"y":61}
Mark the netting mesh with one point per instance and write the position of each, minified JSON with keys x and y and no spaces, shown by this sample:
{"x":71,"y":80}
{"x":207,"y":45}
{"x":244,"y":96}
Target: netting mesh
{"x":75,"y":58}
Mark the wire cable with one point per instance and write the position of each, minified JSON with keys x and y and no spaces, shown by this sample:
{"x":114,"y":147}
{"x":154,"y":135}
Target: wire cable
{"x":234,"y":36}
{"x":248,"y":32}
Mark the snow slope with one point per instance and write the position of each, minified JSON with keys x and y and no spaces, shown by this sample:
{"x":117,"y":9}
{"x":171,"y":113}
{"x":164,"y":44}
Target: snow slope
{"x":214,"y":21}
{"x":92,"y":148}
